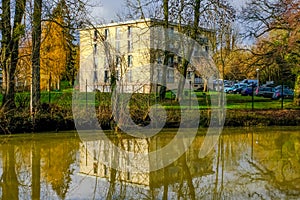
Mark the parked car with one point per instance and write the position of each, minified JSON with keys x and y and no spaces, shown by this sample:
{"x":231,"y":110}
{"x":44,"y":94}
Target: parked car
{"x":230,"y":89}
{"x":235,"y":86}
{"x":247,"y":91}
{"x":250,"y":81}
{"x":227,"y":88}
{"x":287,"y":94}
{"x":278,"y":87}
{"x":239,"y":89}
{"x":266,"y":92}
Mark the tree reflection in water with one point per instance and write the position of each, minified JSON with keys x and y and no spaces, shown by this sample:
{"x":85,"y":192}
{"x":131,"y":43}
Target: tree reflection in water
{"x":245,"y":164}
{"x":278,"y":167}
{"x":9,"y":178}
{"x":34,"y":163}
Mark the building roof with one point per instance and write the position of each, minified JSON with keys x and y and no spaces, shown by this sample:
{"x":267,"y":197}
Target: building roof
{"x":142,"y":20}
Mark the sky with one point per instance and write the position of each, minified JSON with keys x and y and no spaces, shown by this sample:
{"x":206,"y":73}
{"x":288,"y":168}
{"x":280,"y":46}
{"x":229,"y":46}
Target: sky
{"x":106,"y":10}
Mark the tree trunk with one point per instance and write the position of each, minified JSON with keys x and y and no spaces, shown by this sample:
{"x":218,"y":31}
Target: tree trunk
{"x":36,"y":171}
{"x":6,"y":39}
{"x":185,"y":60}
{"x":10,"y":188}
{"x":163,"y":88}
{"x":182,"y":80}
{"x":10,"y":49}
{"x":36,"y":44}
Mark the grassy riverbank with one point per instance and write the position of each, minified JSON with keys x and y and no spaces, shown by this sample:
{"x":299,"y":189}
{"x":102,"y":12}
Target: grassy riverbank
{"x":54,"y":119}
{"x":56,"y":112}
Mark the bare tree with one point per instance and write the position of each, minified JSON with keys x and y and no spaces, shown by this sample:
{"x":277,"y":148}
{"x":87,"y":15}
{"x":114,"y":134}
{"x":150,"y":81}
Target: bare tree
{"x":275,"y":26}
{"x":163,"y":88}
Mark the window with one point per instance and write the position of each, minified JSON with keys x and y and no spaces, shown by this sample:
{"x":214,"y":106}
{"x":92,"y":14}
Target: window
{"x":129,"y":76}
{"x":95,"y":77}
{"x":95,"y":35}
{"x":196,"y":52}
{"x":159,"y":75}
{"x":179,"y":59}
{"x":118,"y":33}
{"x":118,"y":75}
{"x":105,"y":170}
{"x":197,"y":79}
{"x":129,"y":32}
{"x":106,"y":78}
{"x":118,"y":46}
{"x":206,"y":48}
{"x":171,"y":46}
{"x":202,"y":40}
{"x":170,"y":61}
{"x":96,"y":63}
{"x":170,"y":76}
{"x":159,"y":60}
{"x":118,"y":61}
{"x":105,"y":62}
{"x":171,"y":31}
{"x":95,"y":42}
{"x":189,"y":75}
{"x":118,"y":37}
{"x":128,"y":176}
{"x":129,"y":46}
{"x":95,"y":48}
{"x":129,"y":60}
{"x":170,"y":41}
{"x":106,"y":34}
{"x":95,"y":167}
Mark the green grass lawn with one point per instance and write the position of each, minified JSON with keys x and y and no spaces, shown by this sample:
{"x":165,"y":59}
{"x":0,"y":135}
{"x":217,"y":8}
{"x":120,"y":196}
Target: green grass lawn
{"x":233,"y":101}
{"x":237,"y":101}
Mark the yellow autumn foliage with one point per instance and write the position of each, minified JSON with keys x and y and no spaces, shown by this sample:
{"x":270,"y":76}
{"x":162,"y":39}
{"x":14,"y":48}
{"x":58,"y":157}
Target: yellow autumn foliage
{"x":53,"y":54}
{"x":53,"y":57}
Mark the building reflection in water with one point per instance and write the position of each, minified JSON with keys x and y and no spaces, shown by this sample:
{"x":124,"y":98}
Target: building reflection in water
{"x":96,"y":155}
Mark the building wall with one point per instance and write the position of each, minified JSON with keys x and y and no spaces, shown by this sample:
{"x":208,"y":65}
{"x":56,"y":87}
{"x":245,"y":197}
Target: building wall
{"x":126,"y":46}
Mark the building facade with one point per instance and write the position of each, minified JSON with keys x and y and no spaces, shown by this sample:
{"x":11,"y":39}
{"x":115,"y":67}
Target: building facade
{"x":132,"y":52}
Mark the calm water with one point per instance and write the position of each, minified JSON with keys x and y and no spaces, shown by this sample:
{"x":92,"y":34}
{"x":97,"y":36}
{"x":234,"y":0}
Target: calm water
{"x":253,"y":163}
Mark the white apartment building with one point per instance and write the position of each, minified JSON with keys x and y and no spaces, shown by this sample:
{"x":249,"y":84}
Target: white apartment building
{"x":132,"y":51}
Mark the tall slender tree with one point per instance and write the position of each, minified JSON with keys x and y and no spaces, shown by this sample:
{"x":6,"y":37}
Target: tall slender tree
{"x":194,"y":33}
{"x":11,"y":36}
{"x":36,"y":46}
{"x":163,"y":88}
{"x":12,"y":27}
